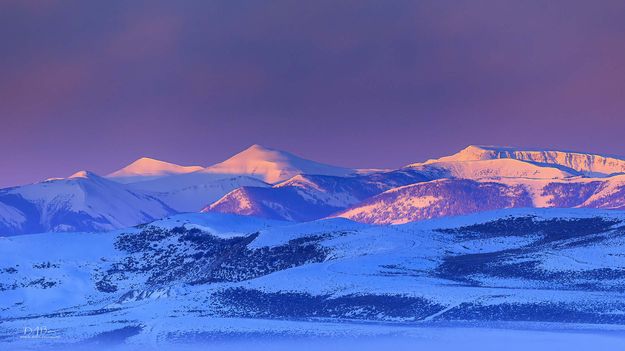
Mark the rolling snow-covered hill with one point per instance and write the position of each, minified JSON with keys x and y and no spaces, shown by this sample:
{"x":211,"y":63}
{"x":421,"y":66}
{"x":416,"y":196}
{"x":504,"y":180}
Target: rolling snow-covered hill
{"x":199,"y":276}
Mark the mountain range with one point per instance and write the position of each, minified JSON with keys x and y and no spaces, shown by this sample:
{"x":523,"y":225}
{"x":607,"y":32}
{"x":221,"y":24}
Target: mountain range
{"x":273,"y":184}
{"x":274,"y":245}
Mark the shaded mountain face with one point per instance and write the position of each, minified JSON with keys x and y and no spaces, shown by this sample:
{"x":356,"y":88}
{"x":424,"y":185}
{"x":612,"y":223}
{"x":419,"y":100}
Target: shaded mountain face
{"x":281,"y":203}
{"x":451,"y":197}
{"x":438,"y":198}
{"x":188,"y":274}
{"x":82,"y":202}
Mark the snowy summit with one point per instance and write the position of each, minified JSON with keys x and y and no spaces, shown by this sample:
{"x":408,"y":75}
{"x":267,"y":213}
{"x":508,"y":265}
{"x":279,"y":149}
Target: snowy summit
{"x":147,"y":168}
{"x":272,"y":165}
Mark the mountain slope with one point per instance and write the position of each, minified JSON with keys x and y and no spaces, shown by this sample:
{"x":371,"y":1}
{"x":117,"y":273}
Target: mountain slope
{"x":82,"y":202}
{"x":147,"y":168}
{"x":272,"y":166}
{"x":270,"y":203}
{"x":447,"y":197}
{"x":438,"y":198}
{"x":309,"y":197}
{"x":606,"y":193}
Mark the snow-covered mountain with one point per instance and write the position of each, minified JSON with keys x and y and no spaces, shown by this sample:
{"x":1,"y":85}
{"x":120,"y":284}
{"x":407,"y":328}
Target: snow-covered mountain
{"x":274,"y":184}
{"x":88,"y":202}
{"x":438,"y":198}
{"x":147,"y":168}
{"x":309,"y":197}
{"x":66,"y":204}
{"x":447,"y":197}
{"x":272,"y":165}
{"x":495,"y":168}
{"x":81,"y":202}
{"x":306,"y":197}
{"x":582,"y":163}
{"x":206,"y":277}
{"x":475,"y":179}
{"x":190,"y":188}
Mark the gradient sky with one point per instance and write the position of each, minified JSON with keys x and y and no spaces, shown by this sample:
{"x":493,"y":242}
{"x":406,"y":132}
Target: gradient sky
{"x":96,"y":84}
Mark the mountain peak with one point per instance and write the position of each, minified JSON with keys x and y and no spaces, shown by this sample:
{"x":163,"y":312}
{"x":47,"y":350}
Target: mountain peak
{"x":150,"y":164}
{"x":149,"y":168}
{"x":259,"y":147}
{"x":148,"y":160}
{"x":272,"y":165}
{"x":83,"y":174}
{"x":259,"y":152}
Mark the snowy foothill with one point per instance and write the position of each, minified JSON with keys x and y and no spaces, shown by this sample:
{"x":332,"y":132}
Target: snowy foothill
{"x":205,"y":278}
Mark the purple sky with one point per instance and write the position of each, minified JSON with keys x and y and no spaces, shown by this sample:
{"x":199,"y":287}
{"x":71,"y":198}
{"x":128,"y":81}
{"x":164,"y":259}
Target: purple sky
{"x":96,"y":84}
